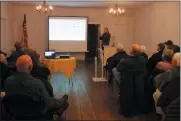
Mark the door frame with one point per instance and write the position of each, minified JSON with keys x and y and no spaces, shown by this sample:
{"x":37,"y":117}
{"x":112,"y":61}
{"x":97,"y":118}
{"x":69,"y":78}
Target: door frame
{"x":98,"y":38}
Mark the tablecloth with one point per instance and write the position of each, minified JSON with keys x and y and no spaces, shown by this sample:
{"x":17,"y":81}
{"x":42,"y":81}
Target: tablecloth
{"x":67,"y":66}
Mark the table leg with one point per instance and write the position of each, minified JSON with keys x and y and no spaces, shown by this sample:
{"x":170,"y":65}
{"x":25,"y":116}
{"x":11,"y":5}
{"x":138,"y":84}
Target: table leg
{"x":74,"y":78}
{"x":72,"y":83}
{"x":69,"y":80}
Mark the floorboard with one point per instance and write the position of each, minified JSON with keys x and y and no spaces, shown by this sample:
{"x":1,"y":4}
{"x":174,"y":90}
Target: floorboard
{"x":74,"y":110}
{"x":85,"y":103}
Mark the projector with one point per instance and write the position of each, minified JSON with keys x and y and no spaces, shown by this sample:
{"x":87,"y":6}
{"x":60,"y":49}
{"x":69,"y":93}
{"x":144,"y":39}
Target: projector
{"x":63,"y":56}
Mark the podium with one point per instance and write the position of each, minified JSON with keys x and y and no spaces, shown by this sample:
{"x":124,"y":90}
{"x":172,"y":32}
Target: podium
{"x":104,"y":55}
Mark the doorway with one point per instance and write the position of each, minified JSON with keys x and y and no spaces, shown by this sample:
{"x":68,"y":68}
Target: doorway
{"x":92,"y":41}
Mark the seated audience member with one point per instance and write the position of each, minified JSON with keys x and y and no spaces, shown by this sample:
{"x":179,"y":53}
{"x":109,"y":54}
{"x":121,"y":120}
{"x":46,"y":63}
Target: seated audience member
{"x":132,"y":73}
{"x":143,"y":49}
{"x":23,"y":82}
{"x":169,"y":44}
{"x":155,"y":58}
{"x":165,"y":64}
{"x":15,"y":54}
{"x":163,"y":79}
{"x":40,"y":71}
{"x":176,"y":48}
{"x":115,"y":59}
{"x":134,"y":61}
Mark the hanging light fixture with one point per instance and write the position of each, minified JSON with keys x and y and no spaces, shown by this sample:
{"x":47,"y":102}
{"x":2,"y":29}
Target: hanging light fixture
{"x":116,"y":11}
{"x":44,"y":8}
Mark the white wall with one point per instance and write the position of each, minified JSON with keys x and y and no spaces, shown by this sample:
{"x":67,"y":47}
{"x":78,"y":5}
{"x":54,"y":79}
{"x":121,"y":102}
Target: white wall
{"x":157,"y":22}
{"x":6,"y":42}
{"x":37,"y":23}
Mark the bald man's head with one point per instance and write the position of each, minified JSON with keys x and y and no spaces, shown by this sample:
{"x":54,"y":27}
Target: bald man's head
{"x":135,"y":49}
{"x":24,"y":63}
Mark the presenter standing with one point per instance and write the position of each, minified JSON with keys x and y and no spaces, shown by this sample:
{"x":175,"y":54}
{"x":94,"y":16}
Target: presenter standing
{"x":105,"y":37}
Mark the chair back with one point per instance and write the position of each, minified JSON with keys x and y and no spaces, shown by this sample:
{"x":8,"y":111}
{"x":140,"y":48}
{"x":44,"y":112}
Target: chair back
{"x":132,"y":91}
{"x":173,"y":110}
{"x":24,"y":107}
{"x":170,"y":92}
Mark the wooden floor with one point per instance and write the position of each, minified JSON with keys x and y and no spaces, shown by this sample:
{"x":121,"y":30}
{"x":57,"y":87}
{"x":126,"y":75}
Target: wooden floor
{"x":89,"y":100}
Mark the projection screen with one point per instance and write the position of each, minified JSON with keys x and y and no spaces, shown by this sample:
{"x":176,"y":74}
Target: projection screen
{"x":68,"y":34}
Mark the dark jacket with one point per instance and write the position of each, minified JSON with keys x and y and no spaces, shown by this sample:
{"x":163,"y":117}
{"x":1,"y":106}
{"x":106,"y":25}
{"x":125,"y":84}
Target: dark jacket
{"x":14,"y":56}
{"x":105,"y":38}
{"x":170,"y":92}
{"x":33,"y":54}
{"x":42,"y":72}
{"x":24,"y":83}
{"x":115,"y":59}
{"x":4,"y":73}
{"x":153,"y":60}
{"x":131,"y":63}
{"x":145,"y":56}
{"x":162,"y":79}
{"x":47,"y":85}
{"x":173,"y":110}
{"x":132,"y":86}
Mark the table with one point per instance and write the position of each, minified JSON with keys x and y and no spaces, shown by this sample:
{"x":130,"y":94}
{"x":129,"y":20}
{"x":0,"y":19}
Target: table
{"x":67,"y":66}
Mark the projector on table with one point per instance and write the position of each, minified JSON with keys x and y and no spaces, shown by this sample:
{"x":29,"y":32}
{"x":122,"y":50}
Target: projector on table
{"x":51,"y":54}
{"x":63,"y":56}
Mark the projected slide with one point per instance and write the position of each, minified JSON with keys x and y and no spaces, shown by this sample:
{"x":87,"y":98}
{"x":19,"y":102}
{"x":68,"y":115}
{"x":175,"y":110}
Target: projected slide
{"x":68,"y":34}
{"x":67,"y":29}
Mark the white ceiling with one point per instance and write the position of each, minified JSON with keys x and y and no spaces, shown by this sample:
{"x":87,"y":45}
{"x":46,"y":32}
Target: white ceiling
{"x":129,"y":4}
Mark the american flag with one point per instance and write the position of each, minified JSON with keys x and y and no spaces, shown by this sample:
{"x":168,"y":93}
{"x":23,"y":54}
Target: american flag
{"x":24,"y":40}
